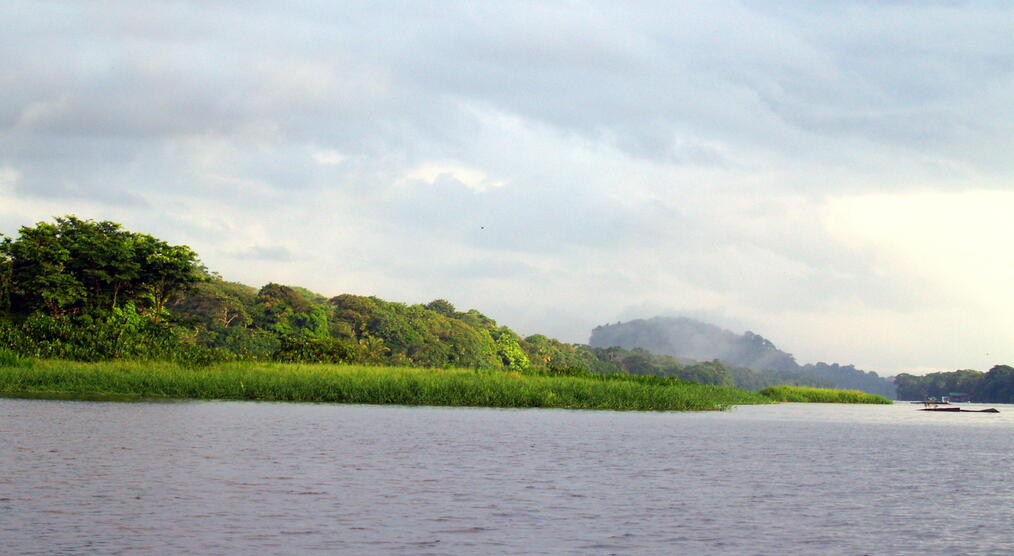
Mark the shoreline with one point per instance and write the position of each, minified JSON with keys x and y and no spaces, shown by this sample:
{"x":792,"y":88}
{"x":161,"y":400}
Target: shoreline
{"x":129,"y":381}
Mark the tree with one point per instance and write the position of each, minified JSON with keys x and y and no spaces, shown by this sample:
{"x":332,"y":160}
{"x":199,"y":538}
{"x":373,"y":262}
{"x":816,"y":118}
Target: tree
{"x":103,"y":258}
{"x":212,"y":305}
{"x":39,"y":273}
{"x":997,"y":386}
{"x":441,"y":306}
{"x":166,"y":271}
{"x":5,"y":276}
{"x":509,"y":350}
{"x":286,"y":311}
{"x":83,"y":266}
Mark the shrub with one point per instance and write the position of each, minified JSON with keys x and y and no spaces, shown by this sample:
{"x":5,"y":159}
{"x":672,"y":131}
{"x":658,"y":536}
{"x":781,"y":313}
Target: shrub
{"x":9,"y":358}
{"x":317,"y":350}
{"x":820,"y":395}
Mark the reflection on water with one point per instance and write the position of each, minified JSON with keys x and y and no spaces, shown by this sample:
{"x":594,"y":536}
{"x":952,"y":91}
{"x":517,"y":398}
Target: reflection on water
{"x":234,"y":477}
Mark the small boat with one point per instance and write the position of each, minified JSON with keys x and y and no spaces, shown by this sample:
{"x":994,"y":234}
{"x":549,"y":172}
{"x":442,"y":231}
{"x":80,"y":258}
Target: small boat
{"x":959,"y":410}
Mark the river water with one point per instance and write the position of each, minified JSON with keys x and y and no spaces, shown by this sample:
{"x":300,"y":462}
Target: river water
{"x":276,"y":478}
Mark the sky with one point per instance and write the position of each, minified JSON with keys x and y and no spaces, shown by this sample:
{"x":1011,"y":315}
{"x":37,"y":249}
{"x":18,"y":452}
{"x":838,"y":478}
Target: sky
{"x":835,"y":176}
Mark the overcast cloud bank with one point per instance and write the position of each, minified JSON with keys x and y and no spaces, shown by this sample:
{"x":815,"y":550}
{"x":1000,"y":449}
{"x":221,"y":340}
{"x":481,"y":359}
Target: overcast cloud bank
{"x":836,"y":177}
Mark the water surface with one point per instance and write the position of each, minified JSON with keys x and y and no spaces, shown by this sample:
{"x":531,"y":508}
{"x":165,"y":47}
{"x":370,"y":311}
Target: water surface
{"x":267,"y":478}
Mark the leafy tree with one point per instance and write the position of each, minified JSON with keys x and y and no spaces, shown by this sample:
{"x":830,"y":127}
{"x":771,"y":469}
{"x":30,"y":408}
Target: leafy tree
{"x":211,"y":306}
{"x":711,"y":372}
{"x":318,"y":350}
{"x":103,"y":257}
{"x":637,"y":364}
{"x":287,"y":312}
{"x":413,"y":335}
{"x":442,"y":306}
{"x":166,"y":271}
{"x":85,"y":267}
{"x":351,"y":314}
{"x":509,"y":349}
{"x":997,"y":386}
{"x":40,"y":278}
{"x":984,"y":387}
{"x":6,"y":279}
{"x":476,"y":320}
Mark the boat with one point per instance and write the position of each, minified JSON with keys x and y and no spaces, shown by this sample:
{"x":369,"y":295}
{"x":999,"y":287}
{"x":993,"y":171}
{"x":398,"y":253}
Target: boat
{"x":959,"y":410}
{"x":933,"y":402}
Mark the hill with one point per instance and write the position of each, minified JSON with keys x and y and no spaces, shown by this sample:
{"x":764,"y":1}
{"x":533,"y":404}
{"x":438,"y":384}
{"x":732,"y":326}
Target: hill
{"x":687,"y":338}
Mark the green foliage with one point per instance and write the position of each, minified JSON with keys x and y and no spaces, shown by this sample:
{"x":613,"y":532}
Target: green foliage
{"x":91,"y":291}
{"x":75,"y":266}
{"x":711,"y":372}
{"x":476,"y":320}
{"x":6,"y":278}
{"x":413,"y":335}
{"x":550,"y":352}
{"x":214,"y":305}
{"x":9,"y":358}
{"x":512,"y":356}
{"x":752,"y":380}
{"x":319,"y":350}
{"x":821,"y":395}
{"x":312,"y":297}
{"x":996,"y":386}
{"x":375,"y":385}
{"x":441,"y":306}
{"x":122,"y":334}
{"x":287,"y":312}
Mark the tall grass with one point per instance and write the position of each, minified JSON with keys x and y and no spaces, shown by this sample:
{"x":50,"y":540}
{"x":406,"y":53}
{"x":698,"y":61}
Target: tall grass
{"x":820,"y":395}
{"x":9,"y":358}
{"x":362,"y":384}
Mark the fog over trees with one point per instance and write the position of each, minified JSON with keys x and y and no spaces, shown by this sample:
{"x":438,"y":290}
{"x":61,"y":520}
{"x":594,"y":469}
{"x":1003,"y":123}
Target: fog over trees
{"x":690,"y":339}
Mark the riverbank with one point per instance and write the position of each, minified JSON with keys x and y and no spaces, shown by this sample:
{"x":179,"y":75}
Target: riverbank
{"x":363,"y":384}
{"x":807,"y":394}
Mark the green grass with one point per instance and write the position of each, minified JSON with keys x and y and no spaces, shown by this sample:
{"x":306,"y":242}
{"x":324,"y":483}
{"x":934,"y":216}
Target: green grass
{"x":10,"y":359}
{"x":820,"y":395}
{"x":362,"y":384}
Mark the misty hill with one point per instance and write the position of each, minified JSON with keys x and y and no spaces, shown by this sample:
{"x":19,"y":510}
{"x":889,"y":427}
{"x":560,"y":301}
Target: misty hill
{"x":687,"y":338}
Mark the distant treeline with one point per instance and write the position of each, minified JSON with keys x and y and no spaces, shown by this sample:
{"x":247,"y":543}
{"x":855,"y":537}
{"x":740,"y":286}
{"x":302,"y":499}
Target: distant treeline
{"x":996,"y":386}
{"x":686,"y":338}
{"x":90,"y":291}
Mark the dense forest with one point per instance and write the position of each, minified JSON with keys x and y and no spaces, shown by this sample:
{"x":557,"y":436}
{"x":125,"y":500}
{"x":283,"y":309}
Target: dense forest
{"x":686,"y":338}
{"x":84,"y":290}
{"x":90,"y":291}
{"x":996,"y":386}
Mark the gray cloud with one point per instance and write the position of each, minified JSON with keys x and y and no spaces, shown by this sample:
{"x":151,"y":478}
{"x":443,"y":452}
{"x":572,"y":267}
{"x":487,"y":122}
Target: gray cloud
{"x":596,"y":156}
{"x":272,"y":253}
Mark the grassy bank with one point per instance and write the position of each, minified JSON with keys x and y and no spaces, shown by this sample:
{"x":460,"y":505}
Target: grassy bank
{"x":820,"y":395}
{"x":362,"y":384}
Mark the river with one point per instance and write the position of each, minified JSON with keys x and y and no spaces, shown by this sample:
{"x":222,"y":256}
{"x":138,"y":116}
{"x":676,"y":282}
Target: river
{"x":283,"y":478}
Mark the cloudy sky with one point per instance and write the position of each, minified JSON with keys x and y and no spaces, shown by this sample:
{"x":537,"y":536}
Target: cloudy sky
{"x":836,"y":176}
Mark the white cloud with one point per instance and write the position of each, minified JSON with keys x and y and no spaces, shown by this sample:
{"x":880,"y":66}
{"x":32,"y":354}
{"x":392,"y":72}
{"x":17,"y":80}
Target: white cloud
{"x":434,"y":173}
{"x":956,"y":243}
{"x":832,"y":176}
{"x":328,"y":157}
{"x":8,"y":178}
